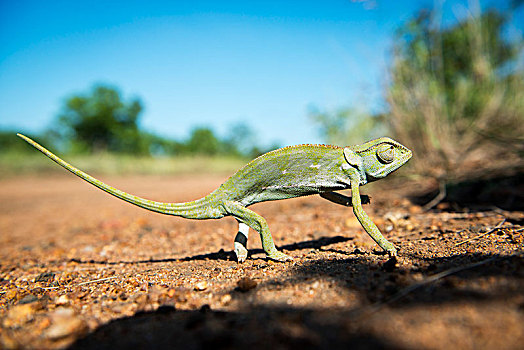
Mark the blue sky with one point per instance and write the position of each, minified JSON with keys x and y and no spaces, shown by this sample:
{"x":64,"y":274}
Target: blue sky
{"x":201,"y":63}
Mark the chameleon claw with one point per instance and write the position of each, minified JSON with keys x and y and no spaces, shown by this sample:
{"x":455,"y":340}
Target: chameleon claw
{"x":279,"y":256}
{"x":392,"y":251}
{"x":240,"y":252}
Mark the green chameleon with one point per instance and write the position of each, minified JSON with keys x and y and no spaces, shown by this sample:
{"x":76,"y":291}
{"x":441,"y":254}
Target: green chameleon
{"x":284,"y":173}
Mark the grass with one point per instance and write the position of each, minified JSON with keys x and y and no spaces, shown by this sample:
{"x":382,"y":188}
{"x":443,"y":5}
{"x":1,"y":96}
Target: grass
{"x":16,"y":164}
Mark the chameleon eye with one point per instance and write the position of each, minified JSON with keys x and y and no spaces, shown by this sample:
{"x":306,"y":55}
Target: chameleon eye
{"x":385,"y":153}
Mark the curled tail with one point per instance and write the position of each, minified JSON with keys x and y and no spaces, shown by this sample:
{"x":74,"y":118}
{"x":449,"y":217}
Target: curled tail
{"x":205,"y":208}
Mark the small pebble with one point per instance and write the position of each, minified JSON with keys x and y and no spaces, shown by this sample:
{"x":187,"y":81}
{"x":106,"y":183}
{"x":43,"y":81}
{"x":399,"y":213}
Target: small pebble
{"x":64,"y":323}
{"x":246,"y":284}
{"x":202,"y":285}
{"x":28,"y":299}
{"x":64,"y":328}
{"x":226,"y":299}
{"x":45,"y":277}
{"x":18,"y":315}
{"x":62,"y":300}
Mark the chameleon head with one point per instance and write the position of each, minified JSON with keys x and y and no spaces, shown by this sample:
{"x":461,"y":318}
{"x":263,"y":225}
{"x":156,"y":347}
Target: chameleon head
{"x":377,"y":158}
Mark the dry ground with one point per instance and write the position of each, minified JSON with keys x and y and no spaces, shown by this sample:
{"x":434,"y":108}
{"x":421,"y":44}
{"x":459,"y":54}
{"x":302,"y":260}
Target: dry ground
{"x":84,"y":270}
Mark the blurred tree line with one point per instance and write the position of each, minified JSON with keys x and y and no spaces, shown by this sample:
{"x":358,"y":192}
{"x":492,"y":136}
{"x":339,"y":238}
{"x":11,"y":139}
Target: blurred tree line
{"x":102,"y":121}
{"x":455,"y":96}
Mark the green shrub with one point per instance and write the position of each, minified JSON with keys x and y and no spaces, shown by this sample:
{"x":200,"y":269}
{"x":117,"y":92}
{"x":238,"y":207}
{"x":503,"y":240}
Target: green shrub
{"x":456,"y":95}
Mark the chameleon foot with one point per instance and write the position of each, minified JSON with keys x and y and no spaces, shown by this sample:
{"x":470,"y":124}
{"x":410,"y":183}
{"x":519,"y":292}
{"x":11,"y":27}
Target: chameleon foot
{"x":391,"y":250}
{"x":240,"y":252}
{"x":279,"y":256}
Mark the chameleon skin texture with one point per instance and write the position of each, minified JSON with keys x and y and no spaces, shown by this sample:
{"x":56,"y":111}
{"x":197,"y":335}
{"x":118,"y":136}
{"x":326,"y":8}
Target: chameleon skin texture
{"x":284,"y":173}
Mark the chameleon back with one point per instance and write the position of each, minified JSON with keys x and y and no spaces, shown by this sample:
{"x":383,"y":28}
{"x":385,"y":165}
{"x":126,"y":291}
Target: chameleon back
{"x":288,"y":172}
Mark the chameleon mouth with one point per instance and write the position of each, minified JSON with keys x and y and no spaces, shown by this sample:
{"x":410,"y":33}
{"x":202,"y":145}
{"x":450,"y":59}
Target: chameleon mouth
{"x":407,"y":156}
{"x":404,"y":158}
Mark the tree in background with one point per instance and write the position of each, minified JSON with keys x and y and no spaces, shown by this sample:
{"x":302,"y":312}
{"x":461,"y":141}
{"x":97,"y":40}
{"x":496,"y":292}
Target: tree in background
{"x":456,"y":95}
{"x":203,"y":141}
{"x":102,"y":121}
{"x":239,"y":142}
{"x":241,"y":139}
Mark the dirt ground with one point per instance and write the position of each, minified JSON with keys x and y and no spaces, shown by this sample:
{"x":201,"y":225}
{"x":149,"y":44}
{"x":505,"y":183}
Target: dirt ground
{"x":80,"y":269}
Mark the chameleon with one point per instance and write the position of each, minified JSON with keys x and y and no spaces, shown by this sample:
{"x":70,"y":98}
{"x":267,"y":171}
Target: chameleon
{"x":284,"y":173}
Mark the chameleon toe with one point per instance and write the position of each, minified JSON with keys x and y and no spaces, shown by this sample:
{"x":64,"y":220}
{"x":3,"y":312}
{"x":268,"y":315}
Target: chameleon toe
{"x":240,"y":252}
{"x":279,"y":256}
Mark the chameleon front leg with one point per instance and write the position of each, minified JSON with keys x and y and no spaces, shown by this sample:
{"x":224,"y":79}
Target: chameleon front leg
{"x":259,"y":224}
{"x":241,"y":242}
{"x":365,"y":220}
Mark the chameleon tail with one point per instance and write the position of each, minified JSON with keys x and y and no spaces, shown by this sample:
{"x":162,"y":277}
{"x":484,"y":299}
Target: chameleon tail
{"x":202,"y":208}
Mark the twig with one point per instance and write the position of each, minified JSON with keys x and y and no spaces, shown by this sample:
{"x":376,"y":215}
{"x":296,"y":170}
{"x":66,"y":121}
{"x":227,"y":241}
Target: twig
{"x":483,"y":234}
{"x":82,"y":283}
{"x":447,"y":216}
{"x":97,"y":280}
{"x":438,"y":198}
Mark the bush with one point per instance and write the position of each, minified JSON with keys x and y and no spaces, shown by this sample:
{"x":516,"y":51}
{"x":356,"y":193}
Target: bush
{"x":456,"y":96}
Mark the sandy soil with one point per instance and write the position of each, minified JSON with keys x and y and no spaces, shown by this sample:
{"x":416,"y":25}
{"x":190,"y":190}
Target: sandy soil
{"x":80,"y":269}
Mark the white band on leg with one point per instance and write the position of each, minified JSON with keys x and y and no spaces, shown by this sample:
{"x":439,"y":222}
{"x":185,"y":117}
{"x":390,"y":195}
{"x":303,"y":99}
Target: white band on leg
{"x":244,"y":229}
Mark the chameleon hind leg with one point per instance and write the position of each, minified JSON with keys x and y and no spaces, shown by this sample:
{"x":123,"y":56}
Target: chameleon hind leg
{"x":259,"y":224}
{"x":241,"y":242}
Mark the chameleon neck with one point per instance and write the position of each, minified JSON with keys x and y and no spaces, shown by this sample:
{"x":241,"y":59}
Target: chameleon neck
{"x":203,"y":208}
